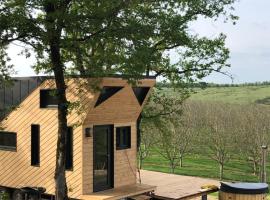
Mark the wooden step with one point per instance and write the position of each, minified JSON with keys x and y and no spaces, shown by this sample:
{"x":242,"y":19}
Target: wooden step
{"x":140,"y":197}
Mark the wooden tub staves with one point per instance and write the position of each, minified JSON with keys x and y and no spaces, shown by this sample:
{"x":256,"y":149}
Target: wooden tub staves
{"x":243,"y":191}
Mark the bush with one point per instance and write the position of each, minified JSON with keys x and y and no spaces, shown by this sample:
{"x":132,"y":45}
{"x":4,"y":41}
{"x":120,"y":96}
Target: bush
{"x":4,"y":195}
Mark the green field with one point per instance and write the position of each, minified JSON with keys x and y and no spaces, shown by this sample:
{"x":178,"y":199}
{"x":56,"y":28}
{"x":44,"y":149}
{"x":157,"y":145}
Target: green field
{"x":238,"y":95}
{"x":203,"y":166}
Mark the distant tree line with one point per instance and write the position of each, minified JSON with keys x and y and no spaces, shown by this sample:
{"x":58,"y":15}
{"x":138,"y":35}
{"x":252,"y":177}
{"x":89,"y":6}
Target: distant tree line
{"x":213,"y":85}
{"x":217,"y":130}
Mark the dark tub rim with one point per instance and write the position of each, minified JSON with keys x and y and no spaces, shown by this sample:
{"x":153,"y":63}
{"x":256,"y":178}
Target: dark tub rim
{"x":244,"y":188}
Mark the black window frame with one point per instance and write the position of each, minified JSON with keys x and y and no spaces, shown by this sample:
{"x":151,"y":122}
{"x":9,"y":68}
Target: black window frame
{"x":69,"y":149}
{"x":46,"y":98}
{"x":35,"y":145}
{"x":8,"y":147}
{"x":123,"y":141}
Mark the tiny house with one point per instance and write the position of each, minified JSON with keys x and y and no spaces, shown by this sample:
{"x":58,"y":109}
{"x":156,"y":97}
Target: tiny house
{"x":101,"y":138}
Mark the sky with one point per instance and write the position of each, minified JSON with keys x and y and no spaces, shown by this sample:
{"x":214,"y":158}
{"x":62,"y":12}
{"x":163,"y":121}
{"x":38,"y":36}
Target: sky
{"x":248,"y":41}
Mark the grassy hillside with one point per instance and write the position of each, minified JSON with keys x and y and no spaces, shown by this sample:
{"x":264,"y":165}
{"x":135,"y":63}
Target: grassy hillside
{"x":198,"y":163}
{"x":242,"y":94}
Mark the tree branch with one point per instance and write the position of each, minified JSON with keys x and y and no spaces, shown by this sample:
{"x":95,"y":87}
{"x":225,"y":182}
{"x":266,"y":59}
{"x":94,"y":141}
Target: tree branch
{"x":111,"y":16}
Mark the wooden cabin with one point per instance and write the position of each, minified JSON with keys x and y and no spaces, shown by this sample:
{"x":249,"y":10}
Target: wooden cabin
{"x":101,"y":141}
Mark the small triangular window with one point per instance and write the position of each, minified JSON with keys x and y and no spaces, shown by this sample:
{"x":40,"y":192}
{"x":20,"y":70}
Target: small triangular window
{"x":106,"y":93}
{"x":140,"y":93}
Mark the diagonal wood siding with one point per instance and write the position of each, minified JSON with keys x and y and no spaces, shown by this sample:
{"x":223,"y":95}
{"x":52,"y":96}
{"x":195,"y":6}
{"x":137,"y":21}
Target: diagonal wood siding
{"x":15,"y":167}
{"x":121,"y":109}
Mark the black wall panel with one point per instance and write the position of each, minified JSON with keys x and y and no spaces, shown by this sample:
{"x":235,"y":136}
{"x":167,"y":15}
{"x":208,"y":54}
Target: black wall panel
{"x":13,"y":94}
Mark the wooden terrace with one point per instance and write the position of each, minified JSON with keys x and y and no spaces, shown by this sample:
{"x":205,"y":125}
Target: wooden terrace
{"x":176,"y":187}
{"x":119,"y":193}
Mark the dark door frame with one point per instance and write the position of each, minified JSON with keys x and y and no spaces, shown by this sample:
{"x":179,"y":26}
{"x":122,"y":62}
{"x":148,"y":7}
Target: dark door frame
{"x":110,"y":158}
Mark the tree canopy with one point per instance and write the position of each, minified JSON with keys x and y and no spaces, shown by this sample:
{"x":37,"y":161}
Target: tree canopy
{"x":101,"y":37}
{"x":119,"y":36}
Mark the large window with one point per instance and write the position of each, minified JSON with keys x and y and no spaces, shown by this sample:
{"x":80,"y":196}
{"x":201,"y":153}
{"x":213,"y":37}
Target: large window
{"x":8,"y":141}
{"x":123,"y":139}
{"x":69,"y":149}
{"x":35,"y":145}
{"x":48,"y":98}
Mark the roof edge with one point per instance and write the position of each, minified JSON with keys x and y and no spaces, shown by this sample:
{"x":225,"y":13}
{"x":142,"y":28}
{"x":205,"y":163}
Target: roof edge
{"x":87,"y":76}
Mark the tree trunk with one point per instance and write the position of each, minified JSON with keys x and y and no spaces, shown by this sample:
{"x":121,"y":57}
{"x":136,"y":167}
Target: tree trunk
{"x":54,"y":29}
{"x":140,"y":161}
{"x":139,"y":120}
{"x":172,"y":167}
{"x":147,"y":72}
{"x":60,"y":176}
{"x":221,"y":169}
{"x":181,"y":161}
{"x":79,"y":61}
{"x":254,"y":168}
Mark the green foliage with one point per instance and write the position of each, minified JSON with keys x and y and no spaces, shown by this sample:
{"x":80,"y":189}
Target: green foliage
{"x":5,"y":67}
{"x":126,"y":37}
{"x":4,"y":195}
{"x":228,"y":137}
{"x":163,"y":104}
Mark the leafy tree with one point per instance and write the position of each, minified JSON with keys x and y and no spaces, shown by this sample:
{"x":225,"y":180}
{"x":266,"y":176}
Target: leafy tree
{"x":185,"y":126}
{"x":5,"y":67}
{"x":5,"y":72}
{"x":168,"y":142}
{"x":161,"y":104}
{"x":148,"y":141}
{"x":97,"y":38}
{"x":218,"y":132}
{"x":158,"y":109}
{"x":253,"y":132}
{"x":4,"y":195}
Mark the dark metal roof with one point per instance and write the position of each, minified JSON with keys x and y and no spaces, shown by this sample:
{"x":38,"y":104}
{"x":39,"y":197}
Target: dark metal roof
{"x":11,"y":95}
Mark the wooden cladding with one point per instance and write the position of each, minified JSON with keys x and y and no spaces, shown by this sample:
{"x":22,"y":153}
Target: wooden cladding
{"x":35,"y":145}
{"x":121,"y":109}
{"x":8,"y":141}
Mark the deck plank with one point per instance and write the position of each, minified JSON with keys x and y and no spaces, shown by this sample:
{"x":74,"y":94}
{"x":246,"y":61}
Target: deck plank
{"x":118,"y":193}
{"x":171,"y":186}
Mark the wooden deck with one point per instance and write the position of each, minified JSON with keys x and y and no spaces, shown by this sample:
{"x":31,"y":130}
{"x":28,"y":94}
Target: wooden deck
{"x":172,"y":187}
{"x":118,"y":193}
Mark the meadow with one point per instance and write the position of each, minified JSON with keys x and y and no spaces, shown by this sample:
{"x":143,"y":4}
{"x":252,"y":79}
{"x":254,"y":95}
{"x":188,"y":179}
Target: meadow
{"x":202,"y":166}
{"x":196,"y":163}
{"x":236,"y":95}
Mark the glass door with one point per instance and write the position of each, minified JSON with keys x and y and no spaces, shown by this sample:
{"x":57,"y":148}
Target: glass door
{"x":103,"y":157}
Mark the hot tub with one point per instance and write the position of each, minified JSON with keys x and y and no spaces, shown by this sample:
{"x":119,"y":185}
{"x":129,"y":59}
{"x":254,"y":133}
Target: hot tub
{"x":243,"y":191}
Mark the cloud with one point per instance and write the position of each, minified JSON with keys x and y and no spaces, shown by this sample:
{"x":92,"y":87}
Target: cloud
{"x":248,"y":41}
